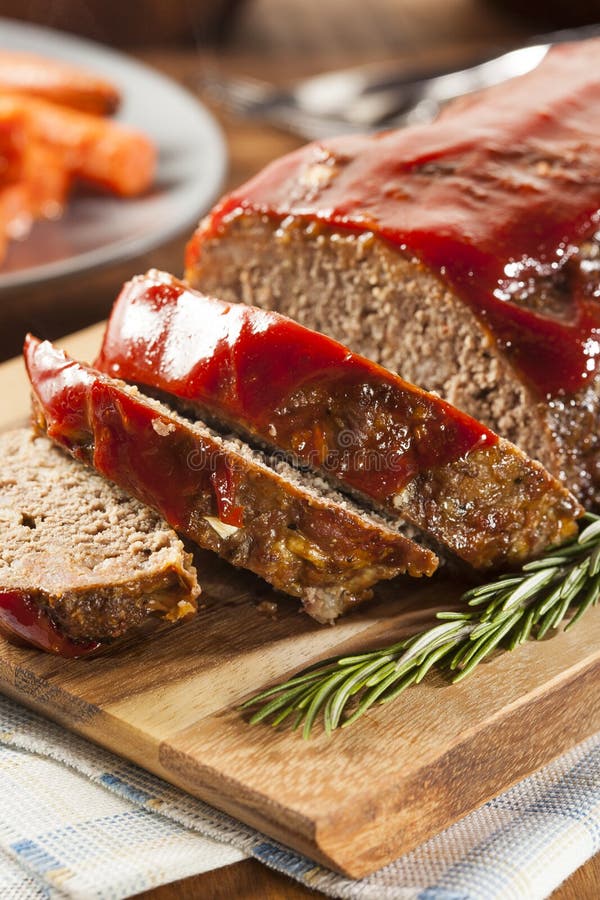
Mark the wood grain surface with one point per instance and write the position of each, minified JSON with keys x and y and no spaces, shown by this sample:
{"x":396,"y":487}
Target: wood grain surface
{"x":355,"y":801}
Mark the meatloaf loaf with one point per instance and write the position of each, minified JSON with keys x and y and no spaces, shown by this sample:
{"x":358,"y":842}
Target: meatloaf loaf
{"x":464,"y":254}
{"x":286,"y":387}
{"x":292,"y":530}
{"x":81,"y":563}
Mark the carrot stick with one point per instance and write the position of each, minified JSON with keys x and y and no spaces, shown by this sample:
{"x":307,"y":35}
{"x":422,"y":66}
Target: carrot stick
{"x":59,"y":82}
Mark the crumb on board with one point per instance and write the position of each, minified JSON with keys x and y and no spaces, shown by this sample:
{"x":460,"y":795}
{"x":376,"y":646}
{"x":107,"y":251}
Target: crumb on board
{"x":268,"y":608}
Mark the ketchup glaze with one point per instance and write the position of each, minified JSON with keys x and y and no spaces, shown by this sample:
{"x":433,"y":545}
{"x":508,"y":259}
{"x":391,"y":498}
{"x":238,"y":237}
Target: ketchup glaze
{"x":496,"y":196}
{"x":23,"y":621}
{"x":294,"y":388}
{"x":119,"y":435}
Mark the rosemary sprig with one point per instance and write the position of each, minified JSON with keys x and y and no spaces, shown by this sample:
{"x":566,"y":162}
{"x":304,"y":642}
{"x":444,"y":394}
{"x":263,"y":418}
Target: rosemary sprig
{"x":505,"y":612}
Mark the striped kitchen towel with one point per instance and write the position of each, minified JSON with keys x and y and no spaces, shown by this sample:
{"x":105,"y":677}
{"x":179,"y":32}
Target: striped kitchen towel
{"x":77,"y":821}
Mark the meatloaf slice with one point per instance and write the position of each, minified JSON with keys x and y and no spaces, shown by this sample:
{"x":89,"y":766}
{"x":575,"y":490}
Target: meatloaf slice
{"x":365,"y":429}
{"x":264,"y":516}
{"x":464,"y":254}
{"x":81,"y":563}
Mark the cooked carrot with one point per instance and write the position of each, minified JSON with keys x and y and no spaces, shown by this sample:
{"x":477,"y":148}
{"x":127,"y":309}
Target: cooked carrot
{"x":36,"y":171}
{"x":16,"y":214}
{"x":48,"y":180}
{"x":58,"y":82}
{"x":14,"y":132}
{"x":44,"y":147}
{"x":104,"y":153}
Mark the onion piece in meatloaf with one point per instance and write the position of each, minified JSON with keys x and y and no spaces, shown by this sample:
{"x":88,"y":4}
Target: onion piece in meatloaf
{"x":283,"y":386}
{"x":464,"y":254}
{"x":262,"y":515}
{"x":81,"y":563}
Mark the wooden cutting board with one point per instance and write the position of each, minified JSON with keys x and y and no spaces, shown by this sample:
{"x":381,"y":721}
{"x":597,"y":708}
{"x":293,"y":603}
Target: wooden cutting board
{"x":354,"y":801}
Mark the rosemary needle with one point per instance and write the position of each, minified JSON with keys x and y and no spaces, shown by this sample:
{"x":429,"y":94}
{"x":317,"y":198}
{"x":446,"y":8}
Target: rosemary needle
{"x":503,"y":613}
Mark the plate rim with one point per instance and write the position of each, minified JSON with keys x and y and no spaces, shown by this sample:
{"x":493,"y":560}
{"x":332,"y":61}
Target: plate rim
{"x":117,"y":252}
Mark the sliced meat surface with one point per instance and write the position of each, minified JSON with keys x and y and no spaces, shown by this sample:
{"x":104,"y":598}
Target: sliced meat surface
{"x":285,"y":526}
{"x":386,"y":441}
{"x":81,"y":562}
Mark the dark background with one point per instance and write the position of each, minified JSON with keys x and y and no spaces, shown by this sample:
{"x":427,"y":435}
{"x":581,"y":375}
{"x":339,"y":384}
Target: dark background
{"x":238,"y":23}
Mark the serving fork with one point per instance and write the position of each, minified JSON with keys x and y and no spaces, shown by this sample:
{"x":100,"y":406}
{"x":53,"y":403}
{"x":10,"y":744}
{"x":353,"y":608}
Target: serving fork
{"x":371,"y":97}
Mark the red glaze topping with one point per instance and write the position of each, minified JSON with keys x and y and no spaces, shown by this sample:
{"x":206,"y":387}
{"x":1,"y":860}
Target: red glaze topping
{"x":294,"y":388}
{"x":169,"y":465}
{"x":495,"y":195}
{"x":22,"y":620}
{"x":123,"y":438}
{"x":223,"y":484}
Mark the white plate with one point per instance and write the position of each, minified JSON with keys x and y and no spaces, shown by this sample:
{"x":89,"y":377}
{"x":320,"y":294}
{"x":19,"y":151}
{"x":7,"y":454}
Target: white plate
{"x":97,"y":230}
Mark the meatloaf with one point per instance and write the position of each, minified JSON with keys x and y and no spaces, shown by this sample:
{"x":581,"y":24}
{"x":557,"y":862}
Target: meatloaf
{"x":464,"y":254}
{"x":290,"y":529}
{"x":81,"y":563}
{"x":288,"y":388}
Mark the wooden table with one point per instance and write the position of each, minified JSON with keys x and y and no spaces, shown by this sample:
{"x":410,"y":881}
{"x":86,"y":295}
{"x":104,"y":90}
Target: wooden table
{"x":59,"y":308}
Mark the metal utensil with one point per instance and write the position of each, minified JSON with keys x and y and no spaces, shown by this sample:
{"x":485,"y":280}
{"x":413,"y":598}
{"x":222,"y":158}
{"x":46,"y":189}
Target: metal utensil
{"x":368,"y":97}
